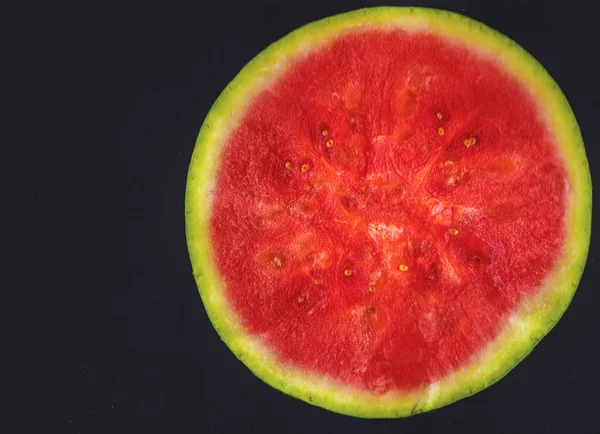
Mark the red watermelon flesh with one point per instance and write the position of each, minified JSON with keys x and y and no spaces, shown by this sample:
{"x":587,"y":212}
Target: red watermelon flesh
{"x":384,"y":205}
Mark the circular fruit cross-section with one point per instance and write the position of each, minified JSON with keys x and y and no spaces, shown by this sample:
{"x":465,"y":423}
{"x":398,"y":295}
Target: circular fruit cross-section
{"x":385,"y":216}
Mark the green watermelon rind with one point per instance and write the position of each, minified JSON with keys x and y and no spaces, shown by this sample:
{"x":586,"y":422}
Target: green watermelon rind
{"x":531,"y":321}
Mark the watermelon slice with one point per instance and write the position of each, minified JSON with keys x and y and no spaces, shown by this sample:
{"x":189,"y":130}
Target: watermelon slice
{"x":387,"y":209}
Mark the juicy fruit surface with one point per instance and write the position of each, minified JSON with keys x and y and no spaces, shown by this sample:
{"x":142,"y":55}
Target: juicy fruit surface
{"x":383,"y":207}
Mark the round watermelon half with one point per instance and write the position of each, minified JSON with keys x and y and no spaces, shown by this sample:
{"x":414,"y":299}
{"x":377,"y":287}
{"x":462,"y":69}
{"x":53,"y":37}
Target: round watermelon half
{"x":387,"y":209}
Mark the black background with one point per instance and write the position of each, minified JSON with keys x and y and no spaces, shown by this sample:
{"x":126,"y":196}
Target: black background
{"x":103,"y":327}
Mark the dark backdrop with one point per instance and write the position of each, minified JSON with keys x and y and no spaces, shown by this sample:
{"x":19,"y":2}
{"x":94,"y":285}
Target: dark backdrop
{"x":109,"y":332}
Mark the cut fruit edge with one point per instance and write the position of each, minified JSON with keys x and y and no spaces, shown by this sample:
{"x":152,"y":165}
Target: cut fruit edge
{"x":527,"y":325}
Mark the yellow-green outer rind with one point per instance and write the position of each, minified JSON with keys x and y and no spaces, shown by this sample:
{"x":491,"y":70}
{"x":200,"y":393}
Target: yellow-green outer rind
{"x":532,"y":320}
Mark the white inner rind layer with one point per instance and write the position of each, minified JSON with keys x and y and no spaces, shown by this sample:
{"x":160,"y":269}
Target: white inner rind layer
{"x":534,"y":318}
